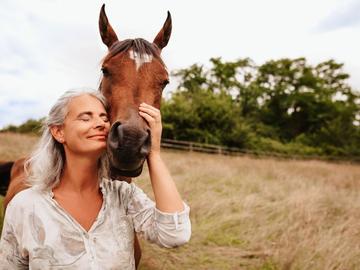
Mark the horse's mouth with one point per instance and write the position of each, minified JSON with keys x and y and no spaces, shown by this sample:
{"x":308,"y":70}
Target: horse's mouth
{"x":127,"y":173}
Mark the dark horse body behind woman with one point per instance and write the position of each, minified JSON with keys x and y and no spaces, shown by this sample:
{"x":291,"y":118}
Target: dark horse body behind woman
{"x":133,"y":72}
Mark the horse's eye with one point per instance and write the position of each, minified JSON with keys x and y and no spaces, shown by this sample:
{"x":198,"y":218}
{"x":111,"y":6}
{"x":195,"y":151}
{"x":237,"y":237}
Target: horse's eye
{"x":105,"y":71}
{"x":164,"y":83}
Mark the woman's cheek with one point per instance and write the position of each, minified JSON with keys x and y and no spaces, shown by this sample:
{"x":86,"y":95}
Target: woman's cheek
{"x":107,"y":129}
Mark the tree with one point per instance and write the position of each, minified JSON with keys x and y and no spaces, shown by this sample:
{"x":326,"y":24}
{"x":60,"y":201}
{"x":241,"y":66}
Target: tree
{"x":301,"y":99}
{"x":285,"y":101}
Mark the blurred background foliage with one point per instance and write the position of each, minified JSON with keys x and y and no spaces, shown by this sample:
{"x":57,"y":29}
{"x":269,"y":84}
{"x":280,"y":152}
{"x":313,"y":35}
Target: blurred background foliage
{"x":285,"y":106}
{"x":32,"y":126}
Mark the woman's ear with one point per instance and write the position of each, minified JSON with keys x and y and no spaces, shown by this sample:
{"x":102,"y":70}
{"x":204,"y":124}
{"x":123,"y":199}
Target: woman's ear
{"x":58,"y":133}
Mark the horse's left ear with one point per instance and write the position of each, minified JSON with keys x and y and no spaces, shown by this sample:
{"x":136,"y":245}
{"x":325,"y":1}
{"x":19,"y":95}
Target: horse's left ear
{"x":107,"y":33}
{"x":163,"y":36}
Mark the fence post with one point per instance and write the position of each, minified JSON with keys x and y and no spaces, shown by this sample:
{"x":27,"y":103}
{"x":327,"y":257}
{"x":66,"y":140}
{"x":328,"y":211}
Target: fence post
{"x":219,"y":150}
{"x":191,"y":147}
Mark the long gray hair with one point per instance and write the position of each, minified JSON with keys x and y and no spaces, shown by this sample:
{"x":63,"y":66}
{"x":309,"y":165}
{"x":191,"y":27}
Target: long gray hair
{"x":45,"y":165}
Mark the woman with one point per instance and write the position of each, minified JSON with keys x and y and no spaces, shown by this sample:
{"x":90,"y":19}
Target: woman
{"x":73,"y":216}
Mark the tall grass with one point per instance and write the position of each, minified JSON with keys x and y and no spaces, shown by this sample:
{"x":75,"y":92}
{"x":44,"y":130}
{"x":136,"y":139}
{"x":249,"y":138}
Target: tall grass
{"x":261,"y":213}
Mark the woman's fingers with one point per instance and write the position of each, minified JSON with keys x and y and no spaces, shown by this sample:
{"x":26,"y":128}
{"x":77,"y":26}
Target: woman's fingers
{"x":155,"y":113}
{"x":147,"y":117}
{"x":153,"y":117}
{"x":145,"y":106}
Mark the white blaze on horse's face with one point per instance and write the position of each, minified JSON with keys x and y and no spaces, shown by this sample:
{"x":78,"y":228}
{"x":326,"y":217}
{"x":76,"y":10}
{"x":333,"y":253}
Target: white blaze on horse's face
{"x":140,"y":59}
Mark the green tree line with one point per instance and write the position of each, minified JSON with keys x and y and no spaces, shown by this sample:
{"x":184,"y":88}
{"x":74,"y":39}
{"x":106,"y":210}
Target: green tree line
{"x":285,"y":106}
{"x":32,"y":126}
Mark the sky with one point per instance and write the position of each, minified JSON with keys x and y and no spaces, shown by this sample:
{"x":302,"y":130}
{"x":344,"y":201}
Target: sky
{"x":50,"y":46}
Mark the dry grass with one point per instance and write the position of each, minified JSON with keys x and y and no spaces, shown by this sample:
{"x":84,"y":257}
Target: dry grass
{"x":14,"y":146}
{"x":258,"y":213}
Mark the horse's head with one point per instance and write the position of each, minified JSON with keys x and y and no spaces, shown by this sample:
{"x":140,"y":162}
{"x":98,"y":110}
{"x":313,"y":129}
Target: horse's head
{"x":133,"y":72}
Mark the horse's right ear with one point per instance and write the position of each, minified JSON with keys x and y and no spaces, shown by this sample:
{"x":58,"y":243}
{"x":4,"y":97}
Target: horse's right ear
{"x":162,"y":38}
{"x":108,"y":35}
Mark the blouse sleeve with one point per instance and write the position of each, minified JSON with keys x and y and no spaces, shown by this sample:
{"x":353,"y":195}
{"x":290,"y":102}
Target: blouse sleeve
{"x":164,"y":229}
{"x":10,"y":253}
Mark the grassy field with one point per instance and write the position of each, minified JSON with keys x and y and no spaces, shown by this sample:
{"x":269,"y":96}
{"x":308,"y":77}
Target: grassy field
{"x":254,"y":213}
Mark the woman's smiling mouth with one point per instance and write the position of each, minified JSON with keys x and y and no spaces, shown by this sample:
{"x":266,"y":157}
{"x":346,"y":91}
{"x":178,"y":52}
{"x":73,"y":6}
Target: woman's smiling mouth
{"x":102,"y":137}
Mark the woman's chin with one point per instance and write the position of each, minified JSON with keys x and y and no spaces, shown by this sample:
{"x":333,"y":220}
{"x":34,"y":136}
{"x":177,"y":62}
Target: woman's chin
{"x":93,"y":149}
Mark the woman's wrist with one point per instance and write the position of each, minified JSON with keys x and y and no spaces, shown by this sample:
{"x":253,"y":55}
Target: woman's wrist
{"x":154,"y":154}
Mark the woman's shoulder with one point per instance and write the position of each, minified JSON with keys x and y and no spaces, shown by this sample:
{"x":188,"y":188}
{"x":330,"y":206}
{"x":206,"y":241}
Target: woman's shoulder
{"x":24,"y":199}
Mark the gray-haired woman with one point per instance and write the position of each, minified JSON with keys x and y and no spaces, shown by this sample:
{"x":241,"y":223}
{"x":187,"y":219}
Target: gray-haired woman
{"x":73,"y":216}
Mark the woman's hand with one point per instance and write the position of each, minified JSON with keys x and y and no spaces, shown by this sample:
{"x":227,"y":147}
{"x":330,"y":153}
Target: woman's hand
{"x":153,"y":117}
{"x":166,"y":194}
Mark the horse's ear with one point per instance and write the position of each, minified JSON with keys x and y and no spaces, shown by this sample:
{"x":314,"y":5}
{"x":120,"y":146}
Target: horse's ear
{"x":108,"y":35}
{"x":163,"y":36}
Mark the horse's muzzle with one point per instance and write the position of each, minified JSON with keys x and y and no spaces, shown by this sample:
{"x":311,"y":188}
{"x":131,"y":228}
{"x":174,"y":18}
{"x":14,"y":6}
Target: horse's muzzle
{"x":128,"y":146}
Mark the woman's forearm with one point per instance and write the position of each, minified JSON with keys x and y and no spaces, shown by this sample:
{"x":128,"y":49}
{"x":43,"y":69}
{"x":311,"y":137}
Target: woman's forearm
{"x":166,"y":194}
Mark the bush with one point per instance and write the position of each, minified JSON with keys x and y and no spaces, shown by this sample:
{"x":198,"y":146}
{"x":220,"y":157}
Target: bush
{"x":30,"y":126}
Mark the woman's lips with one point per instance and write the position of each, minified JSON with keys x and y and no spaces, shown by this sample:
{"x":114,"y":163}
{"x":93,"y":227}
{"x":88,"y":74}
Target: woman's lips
{"x":98,"y":137}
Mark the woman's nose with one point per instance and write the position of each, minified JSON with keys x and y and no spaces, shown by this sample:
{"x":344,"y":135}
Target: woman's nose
{"x":100,"y":123}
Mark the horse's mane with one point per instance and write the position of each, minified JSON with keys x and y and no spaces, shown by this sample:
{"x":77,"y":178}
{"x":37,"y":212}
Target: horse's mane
{"x":138,"y":45}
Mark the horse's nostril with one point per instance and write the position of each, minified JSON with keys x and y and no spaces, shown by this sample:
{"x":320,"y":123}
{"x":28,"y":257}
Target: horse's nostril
{"x":145,"y":148}
{"x":147,"y":140}
{"x":120,"y":133}
{"x":116,"y":124}
{"x":144,"y":151}
{"x":115,"y":135}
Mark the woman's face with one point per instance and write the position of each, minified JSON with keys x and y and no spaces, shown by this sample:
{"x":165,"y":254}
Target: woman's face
{"x":86,"y":127}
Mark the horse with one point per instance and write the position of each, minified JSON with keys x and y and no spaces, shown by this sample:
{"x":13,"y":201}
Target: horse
{"x":132,"y":72}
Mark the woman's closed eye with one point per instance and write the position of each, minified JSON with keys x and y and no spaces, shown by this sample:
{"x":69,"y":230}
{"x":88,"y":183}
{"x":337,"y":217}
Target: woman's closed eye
{"x":88,"y":116}
{"x":85,"y":118}
{"x":105,"y":118}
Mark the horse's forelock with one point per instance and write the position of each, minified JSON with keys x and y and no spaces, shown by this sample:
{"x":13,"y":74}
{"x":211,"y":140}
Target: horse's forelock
{"x":140,"y":46}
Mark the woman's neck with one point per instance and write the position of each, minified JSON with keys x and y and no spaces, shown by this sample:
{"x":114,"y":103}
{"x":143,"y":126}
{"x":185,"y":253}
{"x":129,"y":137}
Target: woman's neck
{"x":80,"y":175}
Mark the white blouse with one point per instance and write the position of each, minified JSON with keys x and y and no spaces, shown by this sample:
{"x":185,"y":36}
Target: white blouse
{"x":39,"y":234}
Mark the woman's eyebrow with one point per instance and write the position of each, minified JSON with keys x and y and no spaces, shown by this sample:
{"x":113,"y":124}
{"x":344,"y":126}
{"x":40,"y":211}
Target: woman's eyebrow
{"x":85,"y":113}
{"x":91,"y":113}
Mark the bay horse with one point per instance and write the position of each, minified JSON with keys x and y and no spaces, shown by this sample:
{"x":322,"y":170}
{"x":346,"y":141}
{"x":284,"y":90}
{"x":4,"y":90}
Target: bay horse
{"x":132,"y":72}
